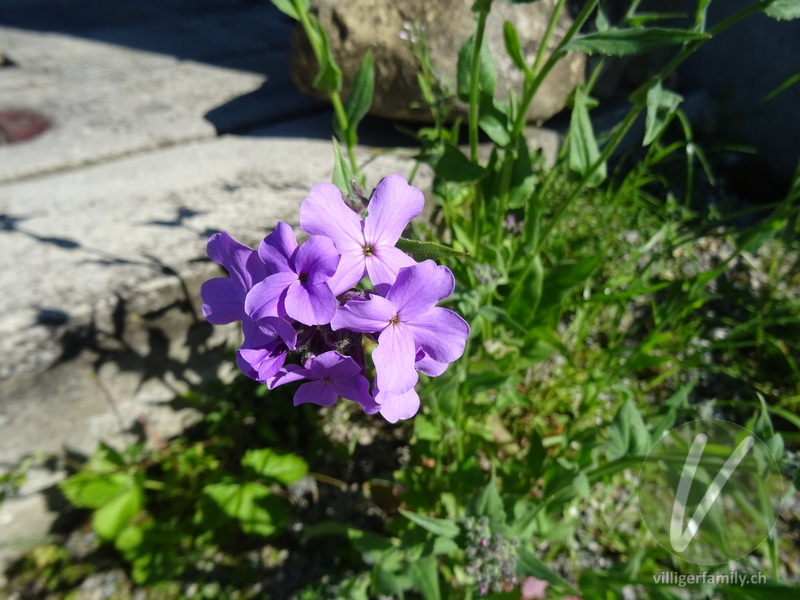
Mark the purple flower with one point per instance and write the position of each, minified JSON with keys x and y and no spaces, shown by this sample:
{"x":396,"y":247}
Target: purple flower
{"x":223,"y":297}
{"x":266,"y":342}
{"x":332,"y":375}
{"x":297,"y":282}
{"x":408,"y":321}
{"x":394,"y":407}
{"x":367,"y":246}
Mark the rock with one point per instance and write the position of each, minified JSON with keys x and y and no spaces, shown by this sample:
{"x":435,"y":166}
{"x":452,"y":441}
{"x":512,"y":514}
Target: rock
{"x":383,"y":27}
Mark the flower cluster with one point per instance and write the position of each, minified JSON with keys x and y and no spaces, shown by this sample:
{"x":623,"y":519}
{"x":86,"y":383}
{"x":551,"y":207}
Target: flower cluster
{"x":304,"y":316}
{"x":492,"y":558}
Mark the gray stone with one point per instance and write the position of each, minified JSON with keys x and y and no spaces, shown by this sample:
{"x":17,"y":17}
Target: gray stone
{"x":378,"y":26}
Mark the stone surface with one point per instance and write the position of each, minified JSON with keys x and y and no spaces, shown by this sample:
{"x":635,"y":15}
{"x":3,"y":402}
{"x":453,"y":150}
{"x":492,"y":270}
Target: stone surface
{"x":129,"y":76}
{"x":378,"y":25}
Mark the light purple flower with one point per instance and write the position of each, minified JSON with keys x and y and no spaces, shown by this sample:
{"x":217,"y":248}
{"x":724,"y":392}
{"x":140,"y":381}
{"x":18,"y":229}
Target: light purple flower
{"x":367,"y":246}
{"x":297,"y":282}
{"x":407,"y":320}
{"x":266,"y":342}
{"x":394,"y":407}
{"x":332,"y":375}
{"x":223,"y":297}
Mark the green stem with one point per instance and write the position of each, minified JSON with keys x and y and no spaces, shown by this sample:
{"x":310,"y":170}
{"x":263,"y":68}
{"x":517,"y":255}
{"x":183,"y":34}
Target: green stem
{"x":474,"y":91}
{"x":344,"y":126}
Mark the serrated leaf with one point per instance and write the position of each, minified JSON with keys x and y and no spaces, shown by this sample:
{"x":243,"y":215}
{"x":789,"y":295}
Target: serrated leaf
{"x":661,"y":104}
{"x":428,"y":250}
{"x":487,"y":74}
{"x":285,"y":468}
{"x":440,"y":527}
{"x":426,"y":578}
{"x":452,"y":165}
{"x":583,"y":149}
{"x":783,"y":10}
{"x":112,"y":518}
{"x":514,"y":47}
{"x":626,"y":42}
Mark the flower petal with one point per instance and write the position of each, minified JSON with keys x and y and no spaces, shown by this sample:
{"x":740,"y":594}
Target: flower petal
{"x":223,"y":301}
{"x":287,"y":374}
{"x":325,"y":213}
{"x":394,"y":359}
{"x":356,"y":389}
{"x":333,"y":365}
{"x":264,"y":299}
{"x":440,"y":333}
{"x":393,"y":204}
{"x":366,"y":316}
{"x":417,"y":289}
{"x":425,"y":364}
{"x":310,"y":304}
{"x":352,"y":268}
{"x":317,"y":259}
{"x":384,"y":265}
{"x":315,"y":392}
{"x":240,"y":261}
{"x":394,"y":407}
{"x":259,"y":363}
{"x":276,"y":250}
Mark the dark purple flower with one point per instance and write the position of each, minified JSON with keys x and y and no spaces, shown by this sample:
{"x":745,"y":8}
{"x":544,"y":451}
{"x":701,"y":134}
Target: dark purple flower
{"x":266,"y":342}
{"x":223,"y":297}
{"x":297,"y":282}
{"x":367,"y":246}
{"x":408,"y":321}
{"x":332,"y":375}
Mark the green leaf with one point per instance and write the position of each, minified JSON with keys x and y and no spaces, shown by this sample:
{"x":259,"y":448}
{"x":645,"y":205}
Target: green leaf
{"x":628,"y":434}
{"x":428,"y":250}
{"x":288,"y":7}
{"x":560,"y":279}
{"x":513,"y":47}
{"x":583,"y":149}
{"x":88,"y":490}
{"x":285,"y":468}
{"x":112,"y":518}
{"x":374,"y":548}
{"x":452,"y":165}
{"x":342,"y":174}
{"x":523,"y":179}
{"x":359,"y":100}
{"x":525,"y":302}
{"x":626,"y":42}
{"x":426,"y":578}
{"x":530,"y":565}
{"x":661,"y":104}
{"x":329,"y":76}
{"x":536,"y":455}
{"x":487,"y":75}
{"x":247,"y":503}
{"x":493,"y":121}
{"x":440,"y":527}
{"x":783,"y":10}
{"x":152,"y":549}
{"x":487,"y":503}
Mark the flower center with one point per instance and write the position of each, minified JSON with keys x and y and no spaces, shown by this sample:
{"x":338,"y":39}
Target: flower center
{"x":303,"y":277}
{"x":394,"y":320}
{"x":369,"y":250}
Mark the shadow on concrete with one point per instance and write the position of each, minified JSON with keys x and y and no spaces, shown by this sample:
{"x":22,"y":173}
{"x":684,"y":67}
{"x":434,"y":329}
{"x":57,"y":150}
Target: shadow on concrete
{"x":220,"y":32}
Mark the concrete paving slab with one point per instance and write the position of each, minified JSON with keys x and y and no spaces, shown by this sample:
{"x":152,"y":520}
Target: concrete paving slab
{"x":163,"y":78}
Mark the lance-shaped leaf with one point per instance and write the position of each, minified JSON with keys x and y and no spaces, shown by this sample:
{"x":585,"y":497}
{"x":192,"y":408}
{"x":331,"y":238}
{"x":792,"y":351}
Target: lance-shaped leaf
{"x":661,"y":104}
{"x":583,"y":149}
{"x":626,"y":42}
{"x":783,"y":10}
{"x":428,"y":250}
